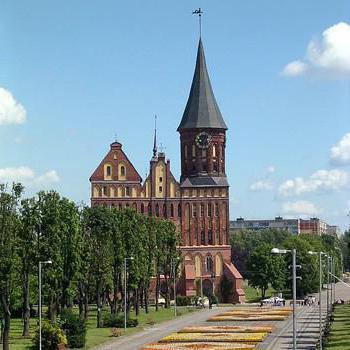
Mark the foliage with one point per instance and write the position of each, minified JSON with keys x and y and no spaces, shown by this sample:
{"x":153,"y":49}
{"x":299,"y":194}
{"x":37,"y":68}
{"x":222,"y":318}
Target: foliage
{"x":111,"y":320}
{"x":266,"y":269}
{"x":74,"y":329}
{"x":51,"y":336}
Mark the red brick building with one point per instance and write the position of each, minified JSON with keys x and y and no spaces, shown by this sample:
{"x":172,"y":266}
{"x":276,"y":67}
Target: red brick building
{"x":198,"y":203}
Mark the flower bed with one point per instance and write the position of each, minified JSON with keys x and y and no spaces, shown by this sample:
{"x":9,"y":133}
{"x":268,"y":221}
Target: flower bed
{"x":198,"y":346}
{"x":227,"y":329}
{"x":249,"y":338}
{"x":247,"y":318}
{"x":261,"y":313}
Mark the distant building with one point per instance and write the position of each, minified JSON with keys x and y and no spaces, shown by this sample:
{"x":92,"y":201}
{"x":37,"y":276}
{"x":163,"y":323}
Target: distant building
{"x":312,"y":226}
{"x":290,"y":225}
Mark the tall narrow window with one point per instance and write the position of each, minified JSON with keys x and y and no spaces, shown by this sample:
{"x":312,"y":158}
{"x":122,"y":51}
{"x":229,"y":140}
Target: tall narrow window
{"x":179,"y":211}
{"x":209,"y":263}
{"x":210,"y":237}
{"x":108,"y":170}
{"x":172,"y":210}
{"x":194,"y":210}
{"x":202,"y":238}
{"x":202,"y":210}
{"x":164,"y":211}
{"x":122,"y":170}
{"x":157,"y":210}
{"x":127,"y":191}
{"x":193,"y":150}
{"x":214,"y":151}
{"x":185,"y":152}
{"x":209,"y":210}
{"x":149,"y":210}
{"x":142,"y":208}
{"x":216,"y":209}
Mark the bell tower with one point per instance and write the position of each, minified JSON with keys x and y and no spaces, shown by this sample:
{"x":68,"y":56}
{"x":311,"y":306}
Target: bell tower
{"x":202,"y":130}
{"x":204,"y":191}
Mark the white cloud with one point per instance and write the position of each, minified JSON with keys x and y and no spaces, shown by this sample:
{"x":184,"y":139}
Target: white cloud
{"x":328,"y":57}
{"x":321,"y":180}
{"x":11,"y":111}
{"x":340,"y":153}
{"x":27,"y":176}
{"x":300,"y":208}
{"x":271,"y":169}
{"x":261,"y":185}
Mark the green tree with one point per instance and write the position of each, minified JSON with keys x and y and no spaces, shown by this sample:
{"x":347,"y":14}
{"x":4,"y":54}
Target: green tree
{"x":9,"y":226}
{"x":28,"y":252}
{"x":266,"y":269}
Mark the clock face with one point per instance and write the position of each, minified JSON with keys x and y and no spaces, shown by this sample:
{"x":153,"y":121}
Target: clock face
{"x":203,"y":140}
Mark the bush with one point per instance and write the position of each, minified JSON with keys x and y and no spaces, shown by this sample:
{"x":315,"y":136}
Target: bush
{"x":117,"y":321}
{"x":183,"y":300}
{"x":51,"y":337}
{"x":74,"y":328}
{"x":213,"y":299}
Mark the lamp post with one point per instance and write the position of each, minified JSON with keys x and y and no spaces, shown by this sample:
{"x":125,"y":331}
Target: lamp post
{"x":294,"y":266}
{"x":173,"y":266}
{"x":125,"y":289}
{"x":320,"y":254}
{"x":328,"y":280}
{"x":40,"y":266}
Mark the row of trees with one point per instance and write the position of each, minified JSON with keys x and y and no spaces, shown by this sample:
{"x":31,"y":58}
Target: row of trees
{"x":87,"y":247}
{"x":252,"y":254}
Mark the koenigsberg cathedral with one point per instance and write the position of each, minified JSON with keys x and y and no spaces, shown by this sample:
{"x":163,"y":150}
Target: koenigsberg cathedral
{"x":198,"y":203}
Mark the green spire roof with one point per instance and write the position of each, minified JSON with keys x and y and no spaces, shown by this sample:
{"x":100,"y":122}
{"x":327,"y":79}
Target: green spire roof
{"x":202,"y":110}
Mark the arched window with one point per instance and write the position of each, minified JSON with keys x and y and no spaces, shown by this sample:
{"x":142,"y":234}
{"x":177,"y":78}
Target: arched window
{"x":134,"y":206}
{"x":149,"y":210}
{"x":142,"y":208}
{"x":210,"y":237}
{"x":202,"y":238}
{"x":179,"y":211}
{"x":209,"y":263}
{"x":187,"y":216}
{"x":164,"y":211}
{"x":202,"y":210}
{"x":157,"y":210}
{"x":172,"y":210}
{"x":216,"y":209}
{"x":122,"y":170}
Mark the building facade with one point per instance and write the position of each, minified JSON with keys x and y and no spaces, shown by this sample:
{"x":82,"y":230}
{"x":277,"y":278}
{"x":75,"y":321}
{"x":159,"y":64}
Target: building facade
{"x":290,"y":225}
{"x":198,"y":203}
{"x":312,"y":226}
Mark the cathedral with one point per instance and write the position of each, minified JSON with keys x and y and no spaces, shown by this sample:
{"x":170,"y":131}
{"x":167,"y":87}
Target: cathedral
{"x":198,"y":203}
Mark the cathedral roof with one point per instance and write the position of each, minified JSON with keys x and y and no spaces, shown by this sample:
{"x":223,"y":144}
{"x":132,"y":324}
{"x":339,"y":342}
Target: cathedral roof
{"x":202,"y":110}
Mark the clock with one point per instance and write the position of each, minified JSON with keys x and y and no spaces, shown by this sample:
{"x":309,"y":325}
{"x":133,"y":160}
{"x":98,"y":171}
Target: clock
{"x":203,"y":140}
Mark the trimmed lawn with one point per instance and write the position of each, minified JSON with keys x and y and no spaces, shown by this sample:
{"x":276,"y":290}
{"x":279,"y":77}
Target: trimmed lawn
{"x":95,"y":335}
{"x":339,"y":338}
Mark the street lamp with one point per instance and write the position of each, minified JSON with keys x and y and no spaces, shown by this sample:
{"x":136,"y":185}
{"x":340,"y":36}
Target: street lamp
{"x":125,"y":289}
{"x":294,"y":254}
{"x":40,"y":265}
{"x":173,"y":267}
{"x":320,"y":254}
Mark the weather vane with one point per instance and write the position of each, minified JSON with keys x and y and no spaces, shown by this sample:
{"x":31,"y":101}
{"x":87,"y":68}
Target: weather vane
{"x":199,"y":12}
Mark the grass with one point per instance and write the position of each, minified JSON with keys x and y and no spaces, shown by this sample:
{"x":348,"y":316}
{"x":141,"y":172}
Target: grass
{"x":339,"y":338}
{"x":96,"y":336}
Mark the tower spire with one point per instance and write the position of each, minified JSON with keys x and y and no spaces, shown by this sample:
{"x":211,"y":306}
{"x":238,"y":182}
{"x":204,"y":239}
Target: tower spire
{"x":155,"y":137}
{"x":199,"y":12}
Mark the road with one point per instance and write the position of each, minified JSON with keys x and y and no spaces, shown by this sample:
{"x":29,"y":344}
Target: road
{"x":158,"y":331}
{"x":280,"y":339}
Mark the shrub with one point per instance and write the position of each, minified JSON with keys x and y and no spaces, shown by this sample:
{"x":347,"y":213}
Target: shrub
{"x":111,"y":320}
{"x":74,"y":328}
{"x":51,"y":336}
{"x":183,"y":300}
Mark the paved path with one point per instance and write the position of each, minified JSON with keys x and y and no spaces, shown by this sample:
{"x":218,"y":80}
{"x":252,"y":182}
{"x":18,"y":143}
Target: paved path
{"x":280,"y":339}
{"x":307,"y":325}
{"x":158,"y":331}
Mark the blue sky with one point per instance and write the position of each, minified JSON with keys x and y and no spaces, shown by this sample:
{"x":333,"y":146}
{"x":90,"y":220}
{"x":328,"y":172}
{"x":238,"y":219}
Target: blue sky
{"x":74,"y":74}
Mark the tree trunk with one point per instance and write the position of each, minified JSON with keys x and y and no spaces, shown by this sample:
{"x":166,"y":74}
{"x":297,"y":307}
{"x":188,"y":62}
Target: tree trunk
{"x":136,"y":301}
{"x":157,"y":292}
{"x":26,"y":305}
{"x":7,"y":321}
{"x":99,"y":304}
{"x":146,"y":300}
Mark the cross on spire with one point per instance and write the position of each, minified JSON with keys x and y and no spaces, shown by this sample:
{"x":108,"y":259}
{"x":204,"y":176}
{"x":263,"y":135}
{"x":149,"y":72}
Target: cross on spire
{"x":199,"y":12}
{"x":162,"y":148}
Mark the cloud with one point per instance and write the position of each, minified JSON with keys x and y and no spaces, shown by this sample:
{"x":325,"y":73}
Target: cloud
{"x":321,"y":180}
{"x":27,"y":177}
{"x":300,"y":208}
{"x":11,"y":111}
{"x":271,"y":169}
{"x":340,"y":153}
{"x":261,"y":185}
{"x":327,"y":57}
